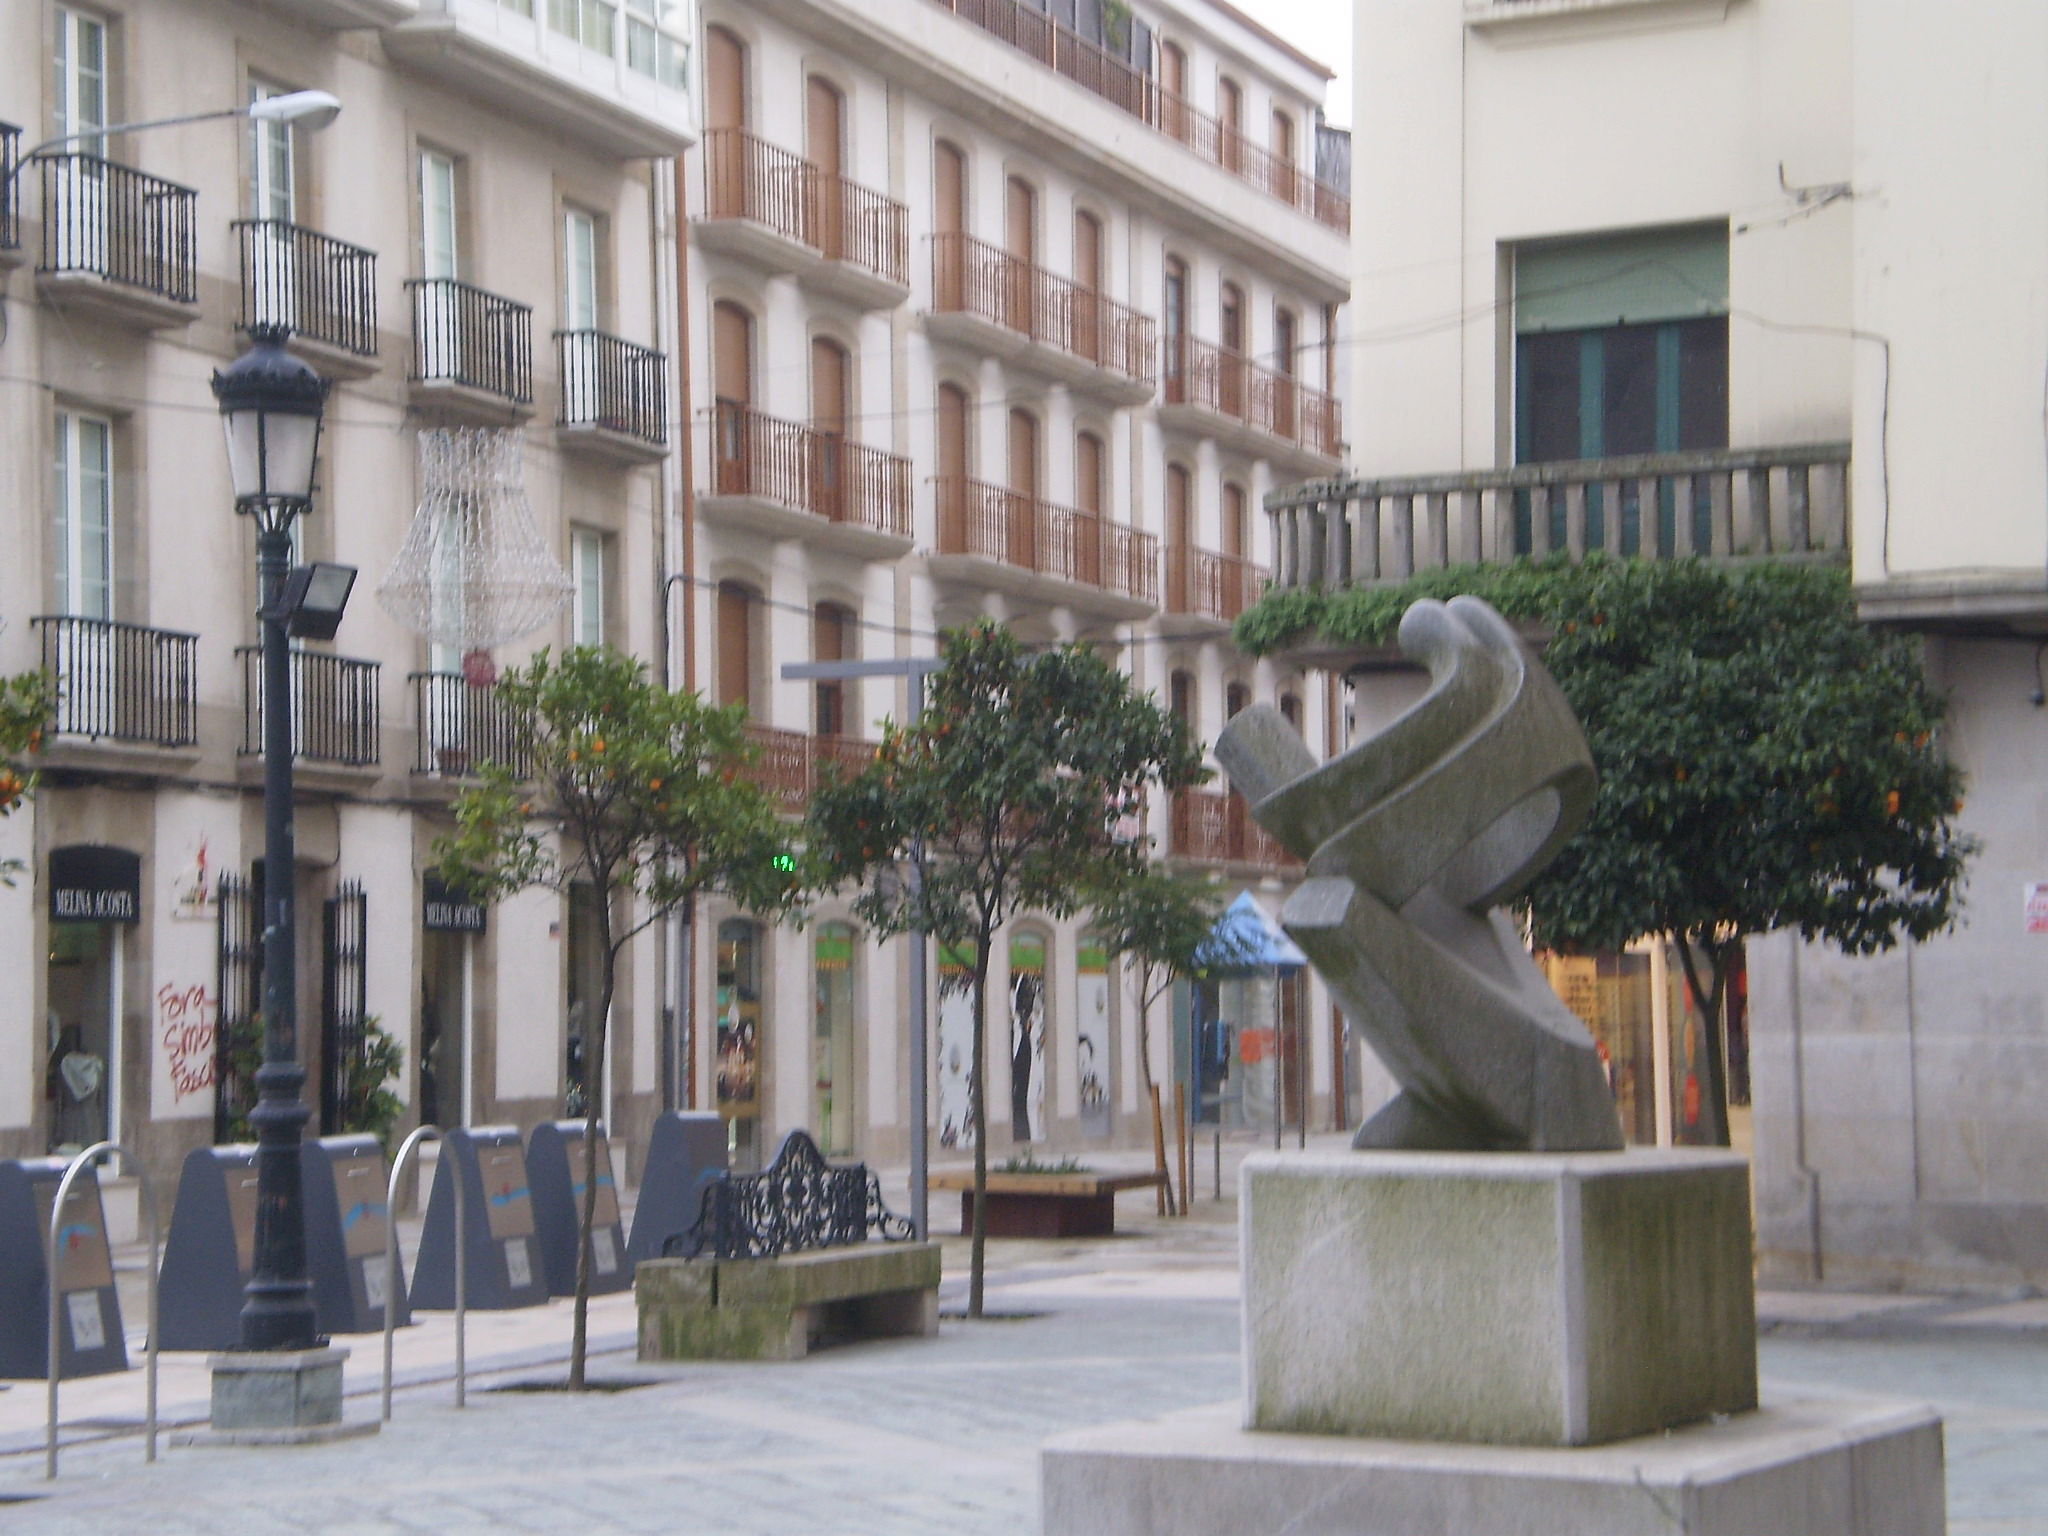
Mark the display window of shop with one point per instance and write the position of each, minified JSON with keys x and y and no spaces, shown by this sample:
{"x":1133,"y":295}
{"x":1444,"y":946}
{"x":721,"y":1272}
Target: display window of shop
{"x":95,"y":898}
{"x":956,"y":1046}
{"x":1029,"y":1026}
{"x":585,"y":1000}
{"x":832,"y":1039}
{"x":1093,"y":1052}
{"x":450,"y":927}
{"x":740,"y":1015}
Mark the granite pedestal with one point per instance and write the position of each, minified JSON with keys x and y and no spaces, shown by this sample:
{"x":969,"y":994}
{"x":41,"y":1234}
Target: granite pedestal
{"x":276,"y":1397}
{"x":1485,"y":1344}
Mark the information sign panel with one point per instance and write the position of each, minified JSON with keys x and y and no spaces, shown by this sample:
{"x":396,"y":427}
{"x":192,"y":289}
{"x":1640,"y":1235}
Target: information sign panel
{"x":554,"y":1162}
{"x":503,"y":1268}
{"x":89,"y":1336}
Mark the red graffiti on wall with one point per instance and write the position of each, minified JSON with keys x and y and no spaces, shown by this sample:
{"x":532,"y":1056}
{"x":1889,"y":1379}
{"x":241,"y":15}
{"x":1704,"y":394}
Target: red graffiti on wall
{"x":186,"y":1019}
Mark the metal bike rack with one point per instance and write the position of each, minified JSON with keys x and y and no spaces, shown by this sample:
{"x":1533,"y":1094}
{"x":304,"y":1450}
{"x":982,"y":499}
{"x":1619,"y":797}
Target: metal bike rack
{"x":406,"y":1149}
{"x":53,"y":1360}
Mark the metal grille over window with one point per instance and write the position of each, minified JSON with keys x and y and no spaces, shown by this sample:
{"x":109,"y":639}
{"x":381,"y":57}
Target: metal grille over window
{"x":238,"y":1038}
{"x":344,"y":1004}
{"x":473,"y":571}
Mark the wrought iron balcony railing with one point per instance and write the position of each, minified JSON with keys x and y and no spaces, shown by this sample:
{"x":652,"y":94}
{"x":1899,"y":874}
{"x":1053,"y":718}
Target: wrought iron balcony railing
{"x":802,"y":468}
{"x":117,"y":223}
{"x":120,"y":682}
{"x":748,"y":178}
{"x":1751,"y":503}
{"x":322,"y":289}
{"x":10,"y":187}
{"x":460,"y":727}
{"x":997,"y":523}
{"x":792,"y":763}
{"x":1200,"y":373}
{"x":1215,"y":827}
{"x":334,"y":707}
{"x":1124,"y":85}
{"x":612,"y":383}
{"x":463,"y":335}
{"x":972,"y":277}
{"x":1208,"y":585}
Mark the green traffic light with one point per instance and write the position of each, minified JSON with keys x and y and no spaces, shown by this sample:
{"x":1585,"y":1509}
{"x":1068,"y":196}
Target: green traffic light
{"x":785,"y":863}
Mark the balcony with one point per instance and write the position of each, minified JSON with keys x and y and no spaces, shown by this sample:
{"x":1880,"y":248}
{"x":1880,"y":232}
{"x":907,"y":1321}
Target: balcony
{"x":991,"y":536}
{"x":1225,"y":395}
{"x":789,"y":480}
{"x":791,"y":763}
{"x":334,"y":707}
{"x":614,"y":398}
{"x":1206,"y":591}
{"x":10,"y":195}
{"x":458,"y":728}
{"x":472,"y":352}
{"x":117,"y":241}
{"x":987,"y":299}
{"x":121,"y":683}
{"x":1721,"y":504}
{"x":612,"y":81}
{"x":1215,"y":827}
{"x":1029,"y":30}
{"x":322,"y":289}
{"x":776,"y":209}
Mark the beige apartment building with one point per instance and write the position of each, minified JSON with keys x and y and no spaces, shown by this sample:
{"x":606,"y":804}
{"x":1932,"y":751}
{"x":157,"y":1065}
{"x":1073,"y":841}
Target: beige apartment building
{"x":979,"y":310}
{"x":1752,"y":279}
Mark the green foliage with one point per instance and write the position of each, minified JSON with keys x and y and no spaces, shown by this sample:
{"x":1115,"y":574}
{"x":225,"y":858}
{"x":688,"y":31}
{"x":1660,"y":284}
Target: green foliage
{"x":366,"y":1104}
{"x":1026,"y":1163}
{"x":24,"y":717}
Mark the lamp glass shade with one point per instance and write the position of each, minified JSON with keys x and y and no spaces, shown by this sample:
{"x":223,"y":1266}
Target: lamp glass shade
{"x":271,"y":453}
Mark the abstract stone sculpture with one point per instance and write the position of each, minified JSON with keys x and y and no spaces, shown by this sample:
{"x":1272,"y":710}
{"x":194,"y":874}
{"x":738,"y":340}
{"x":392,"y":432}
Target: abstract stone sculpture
{"x":1412,"y":839}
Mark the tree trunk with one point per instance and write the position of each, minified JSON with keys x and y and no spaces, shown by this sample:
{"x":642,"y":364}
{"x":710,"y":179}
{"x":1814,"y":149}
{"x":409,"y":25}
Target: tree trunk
{"x":1714,"y":1098}
{"x":977,"y":1117}
{"x":593,"y":1093}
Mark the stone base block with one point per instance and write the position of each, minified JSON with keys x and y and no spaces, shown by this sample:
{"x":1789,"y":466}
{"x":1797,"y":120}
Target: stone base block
{"x":1508,"y":1299}
{"x":279,"y":1394}
{"x":775,"y":1309}
{"x":1795,"y":1468}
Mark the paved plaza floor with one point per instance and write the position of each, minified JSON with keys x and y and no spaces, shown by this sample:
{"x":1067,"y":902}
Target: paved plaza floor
{"x":899,"y":1436}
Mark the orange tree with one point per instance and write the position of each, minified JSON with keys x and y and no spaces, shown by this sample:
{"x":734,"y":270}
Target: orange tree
{"x":1006,"y":796}
{"x":639,"y":794}
{"x":24,"y":716}
{"x":1766,"y":761}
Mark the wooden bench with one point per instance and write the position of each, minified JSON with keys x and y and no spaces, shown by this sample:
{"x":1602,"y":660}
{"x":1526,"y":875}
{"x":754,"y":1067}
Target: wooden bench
{"x":778,"y":1260}
{"x":1044,"y":1204}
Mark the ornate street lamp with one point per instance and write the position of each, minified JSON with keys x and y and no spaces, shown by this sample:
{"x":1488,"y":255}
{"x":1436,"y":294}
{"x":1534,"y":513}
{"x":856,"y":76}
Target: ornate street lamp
{"x":271,"y":404}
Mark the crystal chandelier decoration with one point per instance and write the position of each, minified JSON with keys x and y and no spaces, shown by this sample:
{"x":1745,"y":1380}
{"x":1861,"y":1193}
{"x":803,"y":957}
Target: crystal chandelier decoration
{"x":473,"y":571}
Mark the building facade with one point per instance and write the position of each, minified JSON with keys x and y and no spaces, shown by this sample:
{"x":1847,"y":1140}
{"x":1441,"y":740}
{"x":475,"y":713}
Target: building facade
{"x":1741,"y":278}
{"x":824,"y":330}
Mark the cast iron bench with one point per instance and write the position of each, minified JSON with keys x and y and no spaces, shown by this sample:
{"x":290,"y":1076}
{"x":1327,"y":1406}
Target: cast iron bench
{"x":779,"y":1259}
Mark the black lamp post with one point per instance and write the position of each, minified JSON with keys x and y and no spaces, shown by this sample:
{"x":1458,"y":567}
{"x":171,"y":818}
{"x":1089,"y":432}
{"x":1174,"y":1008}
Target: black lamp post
{"x":271,"y":403}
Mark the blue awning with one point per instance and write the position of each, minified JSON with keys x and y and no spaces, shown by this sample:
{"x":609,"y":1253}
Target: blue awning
{"x":1246,"y":939}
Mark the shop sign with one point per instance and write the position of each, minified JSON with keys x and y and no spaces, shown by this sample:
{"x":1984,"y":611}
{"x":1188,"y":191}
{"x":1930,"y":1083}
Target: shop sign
{"x":94,"y":884}
{"x":443,"y":910}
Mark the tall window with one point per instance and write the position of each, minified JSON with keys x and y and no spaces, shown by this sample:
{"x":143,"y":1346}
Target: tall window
{"x":832,"y":639}
{"x":587,"y":571}
{"x":1236,"y":521}
{"x":440,"y":254}
{"x":954,"y":460}
{"x":1174,"y":320}
{"x":79,"y":100}
{"x":735,"y":644}
{"x":651,"y":48}
{"x":1090,"y":461}
{"x":1230,"y":111}
{"x":579,"y":270}
{"x":1235,"y":698}
{"x":593,"y":23}
{"x":82,"y":537}
{"x":1180,"y":690}
{"x":725,"y":79}
{"x":273,"y":168}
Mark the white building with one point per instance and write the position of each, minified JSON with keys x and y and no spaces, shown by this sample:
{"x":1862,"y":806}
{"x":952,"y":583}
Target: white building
{"x":974,"y":314}
{"x":1780,"y":248}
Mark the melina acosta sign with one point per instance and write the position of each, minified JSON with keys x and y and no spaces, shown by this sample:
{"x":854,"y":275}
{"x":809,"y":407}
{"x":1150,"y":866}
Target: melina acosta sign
{"x":94,"y":884}
{"x":445,"y":909}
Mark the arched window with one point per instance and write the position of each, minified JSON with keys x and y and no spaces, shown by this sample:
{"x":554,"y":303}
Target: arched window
{"x":825,"y":148}
{"x":1088,"y":327}
{"x":831,"y":382}
{"x":1236,"y":522}
{"x":1235,"y":697}
{"x":725,"y":80}
{"x":954,"y":461}
{"x":949,"y":225}
{"x":735,"y":655}
{"x":1020,"y":241}
{"x":732,"y":389}
{"x":832,"y":1041}
{"x":1024,"y":493}
{"x":1180,"y":691}
{"x":833,"y":638}
{"x":1230,"y":113}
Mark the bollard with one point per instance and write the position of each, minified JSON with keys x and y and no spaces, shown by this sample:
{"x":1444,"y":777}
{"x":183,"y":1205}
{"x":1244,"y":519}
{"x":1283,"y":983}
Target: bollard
{"x":406,"y":1148}
{"x":53,"y":1359}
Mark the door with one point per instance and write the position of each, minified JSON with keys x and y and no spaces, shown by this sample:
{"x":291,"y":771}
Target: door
{"x":831,"y":640}
{"x":732,"y":387}
{"x":952,"y":430}
{"x":90,"y":697}
{"x":1231,"y":385}
{"x":273,"y":199}
{"x":1020,"y":244}
{"x":439,"y":346}
{"x":1180,"y":554}
{"x":580,"y":373}
{"x":1174,"y":322}
{"x":726,"y":191}
{"x":1173,"y":88}
{"x":827,"y":467}
{"x":1090,"y":536}
{"x":1023,"y":475}
{"x":949,"y":224}
{"x":825,"y":191}
{"x":735,"y":644}
{"x":79,"y":106}
{"x":1230,"y":117}
{"x":1087,"y":335}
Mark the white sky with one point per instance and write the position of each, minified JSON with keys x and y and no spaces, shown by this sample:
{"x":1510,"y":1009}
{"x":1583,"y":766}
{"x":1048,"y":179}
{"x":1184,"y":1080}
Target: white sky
{"x":1322,"y":30}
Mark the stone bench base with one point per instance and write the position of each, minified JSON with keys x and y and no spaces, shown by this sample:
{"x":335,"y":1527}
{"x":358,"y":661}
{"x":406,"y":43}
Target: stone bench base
{"x":776,"y":1309}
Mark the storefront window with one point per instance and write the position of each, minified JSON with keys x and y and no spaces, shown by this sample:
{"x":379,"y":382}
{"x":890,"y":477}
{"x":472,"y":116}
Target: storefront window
{"x":739,"y":1037}
{"x":956,"y":1046}
{"x":1092,"y":1049}
{"x":1027,"y":1037}
{"x":832,"y":1068}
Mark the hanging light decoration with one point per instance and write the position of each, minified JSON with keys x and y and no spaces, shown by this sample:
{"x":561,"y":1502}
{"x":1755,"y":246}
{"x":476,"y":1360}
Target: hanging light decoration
{"x":473,"y":571}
